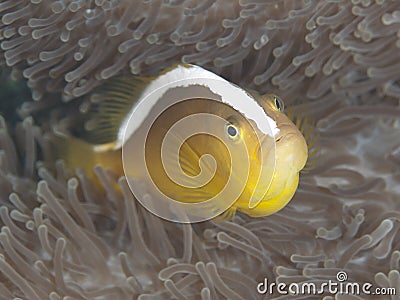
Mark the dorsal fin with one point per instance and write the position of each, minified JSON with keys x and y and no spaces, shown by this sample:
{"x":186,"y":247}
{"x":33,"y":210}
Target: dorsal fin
{"x":109,"y":105}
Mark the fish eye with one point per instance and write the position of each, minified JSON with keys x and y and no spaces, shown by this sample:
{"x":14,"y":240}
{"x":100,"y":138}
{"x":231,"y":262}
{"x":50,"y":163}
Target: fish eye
{"x":232,"y":131}
{"x":279,"y":103}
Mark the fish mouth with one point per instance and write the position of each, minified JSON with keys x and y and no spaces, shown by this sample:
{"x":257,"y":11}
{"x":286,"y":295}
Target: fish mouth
{"x":286,"y":136}
{"x":286,"y":131}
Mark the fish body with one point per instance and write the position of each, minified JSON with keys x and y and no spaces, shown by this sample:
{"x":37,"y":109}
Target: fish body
{"x":193,"y":136}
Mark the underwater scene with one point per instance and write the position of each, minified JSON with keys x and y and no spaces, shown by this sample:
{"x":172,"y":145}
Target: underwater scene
{"x":199,"y":149}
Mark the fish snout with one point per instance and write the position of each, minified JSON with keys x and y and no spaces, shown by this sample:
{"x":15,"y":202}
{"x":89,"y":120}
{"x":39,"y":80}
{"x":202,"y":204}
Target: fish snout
{"x":292,"y":149}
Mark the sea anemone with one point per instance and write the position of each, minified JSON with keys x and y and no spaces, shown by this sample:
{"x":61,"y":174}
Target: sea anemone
{"x":316,"y":49}
{"x":62,"y":237}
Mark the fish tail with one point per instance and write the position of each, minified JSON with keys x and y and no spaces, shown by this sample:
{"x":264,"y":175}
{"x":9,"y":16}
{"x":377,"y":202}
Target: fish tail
{"x":74,"y":152}
{"x":80,"y":155}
